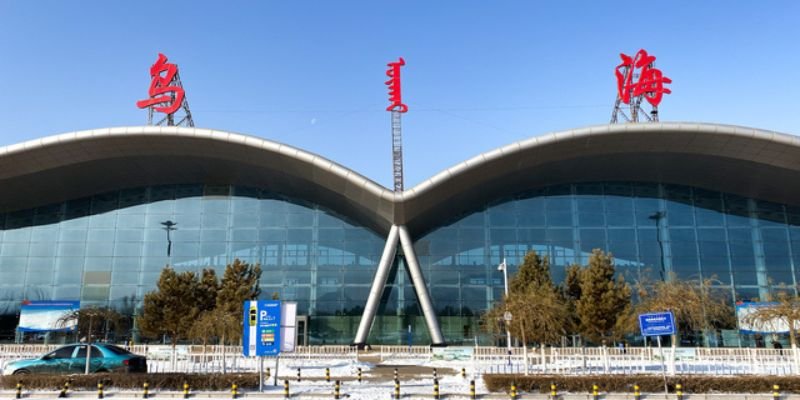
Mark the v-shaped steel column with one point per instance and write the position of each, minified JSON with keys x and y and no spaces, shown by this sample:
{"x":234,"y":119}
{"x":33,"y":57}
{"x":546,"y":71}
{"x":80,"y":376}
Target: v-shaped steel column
{"x":378,"y":284}
{"x":419,"y":286}
{"x":398,"y":233}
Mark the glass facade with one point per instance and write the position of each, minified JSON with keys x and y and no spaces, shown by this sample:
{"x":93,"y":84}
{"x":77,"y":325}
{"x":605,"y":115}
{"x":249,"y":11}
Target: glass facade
{"x":109,"y":249}
{"x":742,"y":244}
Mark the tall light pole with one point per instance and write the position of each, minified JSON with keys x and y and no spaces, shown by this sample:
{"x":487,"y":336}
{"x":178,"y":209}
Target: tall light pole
{"x":502,"y":267}
{"x":169,"y":226}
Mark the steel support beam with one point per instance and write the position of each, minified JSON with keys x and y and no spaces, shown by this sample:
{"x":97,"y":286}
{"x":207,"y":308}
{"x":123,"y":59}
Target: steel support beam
{"x":378,"y":284}
{"x":422,"y":290}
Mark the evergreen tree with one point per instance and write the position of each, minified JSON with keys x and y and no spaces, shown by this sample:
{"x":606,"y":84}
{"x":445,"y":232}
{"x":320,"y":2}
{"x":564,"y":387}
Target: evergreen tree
{"x":207,"y":288}
{"x":171,"y":309}
{"x":539,"y":313}
{"x":534,"y":272}
{"x":603,"y":299}
{"x":239,"y":283}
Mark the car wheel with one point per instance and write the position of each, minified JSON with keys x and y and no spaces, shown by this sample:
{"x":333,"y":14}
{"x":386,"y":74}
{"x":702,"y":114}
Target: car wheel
{"x":21,"y":372}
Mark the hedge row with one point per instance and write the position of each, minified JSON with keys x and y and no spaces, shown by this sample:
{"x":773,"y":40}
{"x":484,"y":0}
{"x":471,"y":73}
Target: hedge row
{"x":133,"y":381}
{"x":647,"y":383}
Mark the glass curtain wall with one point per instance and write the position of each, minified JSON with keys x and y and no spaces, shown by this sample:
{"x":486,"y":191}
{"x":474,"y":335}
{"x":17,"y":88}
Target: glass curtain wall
{"x":744,"y":245}
{"x":109,"y":249}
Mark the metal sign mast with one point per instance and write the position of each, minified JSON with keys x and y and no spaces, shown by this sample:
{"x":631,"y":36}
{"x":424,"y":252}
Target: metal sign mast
{"x":397,"y":108}
{"x":638,"y":79}
{"x":166,"y":95}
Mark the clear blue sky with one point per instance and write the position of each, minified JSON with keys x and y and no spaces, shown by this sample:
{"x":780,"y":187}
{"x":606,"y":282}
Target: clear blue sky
{"x":479,"y":74}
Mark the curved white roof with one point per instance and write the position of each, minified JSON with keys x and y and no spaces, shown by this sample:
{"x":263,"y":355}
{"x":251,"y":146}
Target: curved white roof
{"x":746,"y":161}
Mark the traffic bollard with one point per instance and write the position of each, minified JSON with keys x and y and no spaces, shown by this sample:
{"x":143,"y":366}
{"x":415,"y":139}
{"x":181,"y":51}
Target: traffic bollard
{"x":19,"y":389}
{"x":396,"y":389}
{"x":145,"y":390}
{"x":327,"y":374}
{"x":100,"y":390}
{"x":298,"y":374}
{"x":268,"y":373}
{"x":234,"y":391}
{"x":434,"y":374}
{"x":679,"y":391}
{"x":436,"y":389}
{"x":185,"y":390}
{"x":637,"y":395}
{"x":64,"y":390}
{"x":472,"y":389}
{"x":513,"y":393}
{"x":553,"y":392}
{"x":776,"y":392}
{"x":286,"y":389}
{"x":336,"y":389}
{"x":359,"y":375}
{"x":463,"y":373}
{"x":595,"y":392}
{"x":395,"y":374}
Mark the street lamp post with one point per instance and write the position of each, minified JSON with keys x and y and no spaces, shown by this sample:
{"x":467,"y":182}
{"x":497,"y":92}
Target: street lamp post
{"x":502,"y":267}
{"x":169,"y":226}
{"x":657,"y":217}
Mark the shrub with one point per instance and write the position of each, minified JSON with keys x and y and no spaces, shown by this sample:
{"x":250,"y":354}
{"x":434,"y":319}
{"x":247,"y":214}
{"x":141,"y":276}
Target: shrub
{"x":133,"y":381}
{"x":647,"y":383}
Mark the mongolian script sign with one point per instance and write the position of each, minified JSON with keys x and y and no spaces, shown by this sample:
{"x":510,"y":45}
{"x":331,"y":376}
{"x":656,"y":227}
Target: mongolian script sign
{"x":650,"y":82}
{"x":395,"y":97}
{"x":164,"y":96}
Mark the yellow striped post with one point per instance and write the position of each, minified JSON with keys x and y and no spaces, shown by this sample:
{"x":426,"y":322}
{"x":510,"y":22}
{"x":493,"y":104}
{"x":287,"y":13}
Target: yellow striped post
{"x":185,"y":390}
{"x":436,"y":389}
{"x":637,"y":395}
{"x":145,"y":390}
{"x":396,"y":388}
{"x":234,"y":391}
{"x":776,"y":392}
{"x":286,"y":388}
{"x":472,"y":389}
{"x":464,"y":373}
{"x":513,"y":391}
{"x":359,"y":375}
{"x":336,"y":389}
{"x":100,"y":390}
{"x":327,"y":374}
{"x":595,"y":392}
{"x":64,"y":390}
{"x":19,"y":389}
{"x":679,"y":391}
{"x":268,"y":373}
{"x":553,"y":392}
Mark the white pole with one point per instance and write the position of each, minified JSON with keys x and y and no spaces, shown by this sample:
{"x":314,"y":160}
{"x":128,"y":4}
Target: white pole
{"x":260,"y":373}
{"x":504,"y":267}
{"x":663,"y":367}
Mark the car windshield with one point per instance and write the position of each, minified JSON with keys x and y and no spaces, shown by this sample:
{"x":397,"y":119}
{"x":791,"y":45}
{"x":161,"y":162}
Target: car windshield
{"x":117,"y":350}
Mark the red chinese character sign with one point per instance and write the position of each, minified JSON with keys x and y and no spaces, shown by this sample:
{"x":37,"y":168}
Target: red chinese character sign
{"x":395,"y":95}
{"x":638,"y":79}
{"x":166,"y":94}
{"x":397,"y":108}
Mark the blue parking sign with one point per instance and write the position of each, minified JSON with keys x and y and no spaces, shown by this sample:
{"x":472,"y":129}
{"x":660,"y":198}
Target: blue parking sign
{"x":261,"y":329}
{"x":657,"y":324}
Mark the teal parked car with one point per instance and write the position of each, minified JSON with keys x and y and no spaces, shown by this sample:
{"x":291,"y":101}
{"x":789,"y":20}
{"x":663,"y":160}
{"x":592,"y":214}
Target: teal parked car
{"x":71,"y":359}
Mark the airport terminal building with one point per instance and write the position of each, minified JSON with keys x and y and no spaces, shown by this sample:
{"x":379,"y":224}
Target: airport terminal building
{"x":82,"y":218}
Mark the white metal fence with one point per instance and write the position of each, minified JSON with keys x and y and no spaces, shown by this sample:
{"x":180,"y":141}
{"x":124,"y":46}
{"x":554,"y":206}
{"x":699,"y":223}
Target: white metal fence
{"x":552,"y":360}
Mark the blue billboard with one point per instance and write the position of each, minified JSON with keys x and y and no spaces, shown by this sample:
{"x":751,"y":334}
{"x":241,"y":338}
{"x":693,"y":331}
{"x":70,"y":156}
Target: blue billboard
{"x":657,"y":324}
{"x":48,"y":316}
{"x":261,"y":328}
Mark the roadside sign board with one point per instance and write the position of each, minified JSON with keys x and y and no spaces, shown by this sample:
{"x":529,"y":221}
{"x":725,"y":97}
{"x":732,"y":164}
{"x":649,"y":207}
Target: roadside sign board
{"x":261,"y":330}
{"x":657,"y":324}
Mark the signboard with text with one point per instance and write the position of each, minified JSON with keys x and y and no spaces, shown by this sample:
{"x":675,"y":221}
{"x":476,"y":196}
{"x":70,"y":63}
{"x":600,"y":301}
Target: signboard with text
{"x":261,"y":330}
{"x":657,"y":324}
{"x":47,"y":316}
